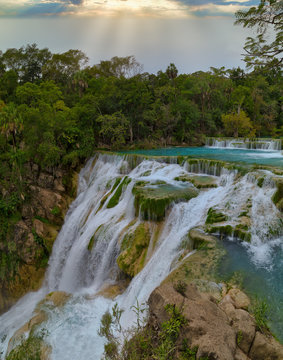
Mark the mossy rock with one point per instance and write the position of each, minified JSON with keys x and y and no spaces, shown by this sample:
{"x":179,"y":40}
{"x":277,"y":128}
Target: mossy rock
{"x":94,"y":237}
{"x":153,"y":201}
{"x":32,"y":348}
{"x":214,"y":216}
{"x":215,"y":167}
{"x":199,"y":238}
{"x":116,"y":197}
{"x":260,"y":182}
{"x":223,"y":230}
{"x":278,"y":195}
{"x":227,"y":230}
{"x":134,"y":249}
{"x":198,"y":181}
{"x":242,"y":234}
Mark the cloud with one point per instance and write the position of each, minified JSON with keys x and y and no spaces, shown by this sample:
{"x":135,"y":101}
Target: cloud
{"x":157,"y":8}
{"x":24,"y":8}
{"x":44,"y":9}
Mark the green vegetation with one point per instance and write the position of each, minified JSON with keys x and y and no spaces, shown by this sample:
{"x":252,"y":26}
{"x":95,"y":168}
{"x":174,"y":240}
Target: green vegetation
{"x":180,"y":287}
{"x":198,"y":181}
{"x":31,"y":348}
{"x":259,"y":310}
{"x":278,"y":195}
{"x":141,"y":342}
{"x":214,"y":216}
{"x":134,"y":249}
{"x":266,"y":18}
{"x":116,"y":197}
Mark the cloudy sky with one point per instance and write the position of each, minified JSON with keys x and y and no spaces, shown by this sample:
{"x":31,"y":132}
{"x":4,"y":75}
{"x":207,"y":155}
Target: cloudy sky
{"x":194,"y":34}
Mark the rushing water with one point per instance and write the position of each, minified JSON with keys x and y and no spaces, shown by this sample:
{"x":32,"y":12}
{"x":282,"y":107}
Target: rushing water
{"x":241,"y":143}
{"x":262,"y":157}
{"x":72,"y":329}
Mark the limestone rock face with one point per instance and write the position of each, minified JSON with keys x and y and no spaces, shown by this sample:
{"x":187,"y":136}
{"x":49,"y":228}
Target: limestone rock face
{"x":33,"y":235}
{"x":220,"y":331}
{"x":265,"y":348}
{"x":208,"y":326}
{"x":241,"y":301}
{"x":240,"y":355}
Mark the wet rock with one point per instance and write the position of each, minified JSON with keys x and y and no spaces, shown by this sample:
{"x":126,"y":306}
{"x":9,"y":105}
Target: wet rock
{"x":199,"y":238}
{"x":57,"y":298}
{"x":215,"y":216}
{"x":38,"y":319}
{"x":134,"y":249}
{"x":199,"y":181}
{"x":153,"y":201}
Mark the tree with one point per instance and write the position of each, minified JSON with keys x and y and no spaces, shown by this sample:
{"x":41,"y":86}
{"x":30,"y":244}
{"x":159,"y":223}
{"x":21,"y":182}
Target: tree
{"x":62,"y":67}
{"x":27,"y":62}
{"x":238,"y":124}
{"x":10,"y":122}
{"x":267,"y":19}
{"x":172,"y":71}
{"x":118,"y":67}
{"x":113,"y":129}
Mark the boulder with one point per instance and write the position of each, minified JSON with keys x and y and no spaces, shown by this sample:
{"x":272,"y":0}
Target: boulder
{"x":199,"y":238}
{"x":239,"y":298}
{"x":207,"y":327}
{"x":152,"y":201}
{"x":240,"y":355}
{"x":265,"y":348}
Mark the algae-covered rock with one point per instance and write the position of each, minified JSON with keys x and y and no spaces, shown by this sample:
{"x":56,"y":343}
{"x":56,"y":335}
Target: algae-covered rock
{"x":199,"y":181}
{"x":32,"y":348}
{"x":152,"y":201}
{"x":214,"y":216}
{"x":95,"y":236}
{"x":229,"y":230}
{"x":134,"y":249}
{"x":116,"y":197}
{"x":277,"y":198}
{"x":199,"y":238}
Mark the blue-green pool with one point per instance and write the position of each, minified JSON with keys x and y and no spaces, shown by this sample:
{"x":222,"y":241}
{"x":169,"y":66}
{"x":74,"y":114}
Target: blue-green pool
{"x":262,"y":157}
{"x":265,"y":281}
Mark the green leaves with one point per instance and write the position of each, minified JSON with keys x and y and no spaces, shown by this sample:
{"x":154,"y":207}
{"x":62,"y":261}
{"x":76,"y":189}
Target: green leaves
{"x":266,"y":18}
{"x":113,"y":129}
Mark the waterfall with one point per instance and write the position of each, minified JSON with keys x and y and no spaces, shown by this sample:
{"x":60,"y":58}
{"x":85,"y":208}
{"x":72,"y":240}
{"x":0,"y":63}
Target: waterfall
{"x":83,"y":260}
{"x":248,"y":144}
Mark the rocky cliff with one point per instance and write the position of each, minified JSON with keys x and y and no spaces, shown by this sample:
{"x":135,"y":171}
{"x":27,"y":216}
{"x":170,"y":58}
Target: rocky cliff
{"x":29,"y":244}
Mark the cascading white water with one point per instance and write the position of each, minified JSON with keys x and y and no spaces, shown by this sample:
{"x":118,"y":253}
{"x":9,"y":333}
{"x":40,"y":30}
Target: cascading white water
{"x":240,"y":143}
{"x":72,"y":329}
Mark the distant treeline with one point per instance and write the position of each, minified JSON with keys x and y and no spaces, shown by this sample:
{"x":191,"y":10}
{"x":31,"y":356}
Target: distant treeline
{"x":54,"y":107}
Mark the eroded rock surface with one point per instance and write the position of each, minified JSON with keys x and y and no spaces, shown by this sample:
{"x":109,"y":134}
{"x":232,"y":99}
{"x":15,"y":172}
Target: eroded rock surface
{"x":49,"y":196}
{"x":220,"y":331}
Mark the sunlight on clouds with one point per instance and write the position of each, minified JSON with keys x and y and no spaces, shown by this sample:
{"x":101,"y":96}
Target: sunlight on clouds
{"x":136,"y":7}
{"x":145,"y":8}
{"x":238,"y":1}
{"x":213,"y":9}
